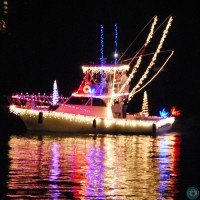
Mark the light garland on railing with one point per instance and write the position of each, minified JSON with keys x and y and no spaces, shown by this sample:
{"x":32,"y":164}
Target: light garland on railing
{"x":107,"y":122}
{"x":51,"y":114}
{"x":43,"y":99}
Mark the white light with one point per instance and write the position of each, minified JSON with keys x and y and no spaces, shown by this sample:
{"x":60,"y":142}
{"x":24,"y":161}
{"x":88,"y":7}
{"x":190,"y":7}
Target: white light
{"x":116,"y":55}
{"x":107,"y":122}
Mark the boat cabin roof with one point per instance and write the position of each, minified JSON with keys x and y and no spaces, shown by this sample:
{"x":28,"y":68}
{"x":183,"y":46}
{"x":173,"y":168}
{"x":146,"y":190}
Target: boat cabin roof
{"x":107,"y":68}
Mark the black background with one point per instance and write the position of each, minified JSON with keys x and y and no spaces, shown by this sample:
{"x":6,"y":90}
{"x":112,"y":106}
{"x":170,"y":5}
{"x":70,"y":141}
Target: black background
{"x":48,"y":40}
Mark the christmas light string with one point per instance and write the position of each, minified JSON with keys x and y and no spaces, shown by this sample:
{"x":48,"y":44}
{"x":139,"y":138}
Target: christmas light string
{"x":160,"y":69}
{"x":102,"y":45}
{"x":144,"y":76}
{"x":74,"y":118}
{"x":135,"y":39}
{"x":116,"y":37}
{"x":150,"y":35}
{"x":134,"y":70}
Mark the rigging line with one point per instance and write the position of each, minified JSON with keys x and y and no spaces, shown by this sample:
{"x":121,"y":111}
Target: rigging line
{"x":139,"y":60}
{"x":139,"y":57}
{"x":148,"y":54}
{"x":134,"y":70}
{"x":153,"y":59}
{"x":136,"y":38}
{"x":149,"y":37}
{"x":152,"y":36}
{"x":162,"y":23}
{"x":155,"y":74}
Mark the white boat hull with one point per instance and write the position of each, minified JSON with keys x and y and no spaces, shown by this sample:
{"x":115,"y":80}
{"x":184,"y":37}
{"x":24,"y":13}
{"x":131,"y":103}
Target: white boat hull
{"x":52,"y":121}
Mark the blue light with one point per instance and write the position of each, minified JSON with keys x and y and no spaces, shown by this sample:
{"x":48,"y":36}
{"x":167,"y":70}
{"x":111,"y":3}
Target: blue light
{"x":163,"y":113}
{"x":92,"y":90}
{"x":101,"y":51}
{"x":116,"y":36}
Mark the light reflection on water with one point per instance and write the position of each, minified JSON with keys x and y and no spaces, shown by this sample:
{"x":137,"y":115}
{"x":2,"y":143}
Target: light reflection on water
{"x":78,"y":167}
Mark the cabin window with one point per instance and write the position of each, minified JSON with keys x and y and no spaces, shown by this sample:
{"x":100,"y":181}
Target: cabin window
{"x":98,"y":102}
{"x":85,"y":101}
{"x":79,"y":101}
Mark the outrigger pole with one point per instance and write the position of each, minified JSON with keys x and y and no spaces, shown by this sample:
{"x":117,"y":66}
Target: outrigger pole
{"x":144,"y":76}
{"x":134,"y":70}
{"x":135,"y":38}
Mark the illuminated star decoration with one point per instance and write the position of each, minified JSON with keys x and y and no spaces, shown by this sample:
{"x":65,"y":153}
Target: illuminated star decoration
{"x":175,"y":112}
{"x":163,"y":113}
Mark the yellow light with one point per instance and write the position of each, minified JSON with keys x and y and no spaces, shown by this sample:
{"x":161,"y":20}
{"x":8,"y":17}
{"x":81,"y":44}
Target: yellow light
{"x":107,"y":122}
{"x":134,"y":70}
{"x":105,"y":68}
{"x":144,"y":76}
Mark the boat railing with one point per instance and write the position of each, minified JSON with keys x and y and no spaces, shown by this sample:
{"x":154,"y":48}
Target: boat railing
{"x":43,"y":101}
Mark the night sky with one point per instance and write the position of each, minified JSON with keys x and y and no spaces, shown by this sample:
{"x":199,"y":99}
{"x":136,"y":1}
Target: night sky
{"x":50,"y":40}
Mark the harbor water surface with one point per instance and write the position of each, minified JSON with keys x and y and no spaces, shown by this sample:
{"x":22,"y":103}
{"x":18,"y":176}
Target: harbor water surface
{"x":51,"y":166}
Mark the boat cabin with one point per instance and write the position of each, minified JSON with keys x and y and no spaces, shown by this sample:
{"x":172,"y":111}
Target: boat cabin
{"x":101,"y":85}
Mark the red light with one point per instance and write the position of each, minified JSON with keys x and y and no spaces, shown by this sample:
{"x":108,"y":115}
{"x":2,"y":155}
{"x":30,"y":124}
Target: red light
{"x":175,"y":112}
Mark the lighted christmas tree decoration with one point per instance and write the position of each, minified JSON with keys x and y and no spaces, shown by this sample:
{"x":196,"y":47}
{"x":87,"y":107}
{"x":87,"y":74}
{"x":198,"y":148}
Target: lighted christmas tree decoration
{"x":55,"y":93}
{"x":145,"y":106}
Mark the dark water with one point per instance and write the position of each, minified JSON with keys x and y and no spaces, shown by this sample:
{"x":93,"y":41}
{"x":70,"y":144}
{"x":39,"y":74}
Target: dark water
{"x":110,"y":167}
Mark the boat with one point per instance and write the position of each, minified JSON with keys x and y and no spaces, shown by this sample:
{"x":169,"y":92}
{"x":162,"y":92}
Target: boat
{"x":99,"y":105}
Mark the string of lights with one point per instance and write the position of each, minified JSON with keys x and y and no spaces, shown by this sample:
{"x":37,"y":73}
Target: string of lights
{"x":107,"y":122}
{"x":102,"y":45}
{"x":144,"y":76}
{"x":160,"y":69}
{"x":116,"y":38}
{"x":134,"y":70}
{"x":20,"y":99}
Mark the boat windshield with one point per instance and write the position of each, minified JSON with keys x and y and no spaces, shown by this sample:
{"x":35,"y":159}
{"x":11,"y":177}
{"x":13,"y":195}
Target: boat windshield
{"x":86,"y":101}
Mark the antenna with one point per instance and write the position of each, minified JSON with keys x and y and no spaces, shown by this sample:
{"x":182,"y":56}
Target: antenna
{"x":102,"y":45}
{"x":116,"y":37}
